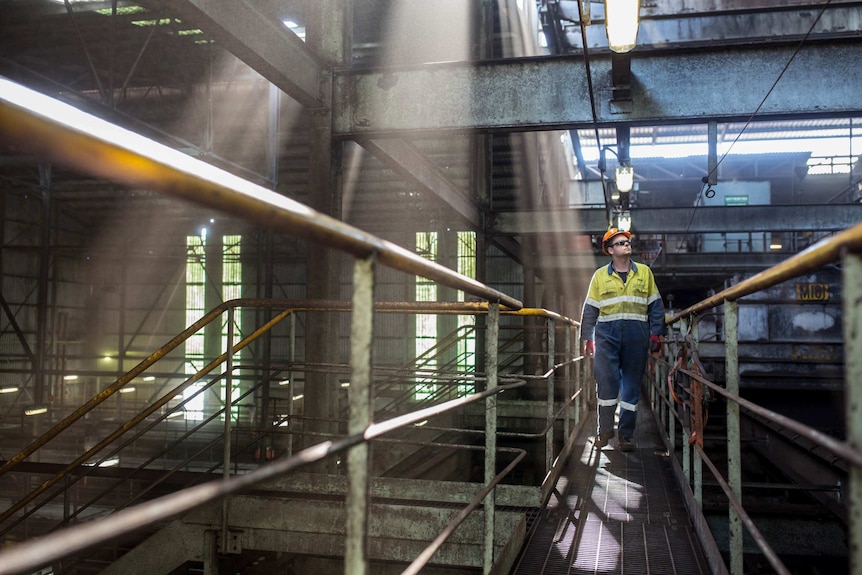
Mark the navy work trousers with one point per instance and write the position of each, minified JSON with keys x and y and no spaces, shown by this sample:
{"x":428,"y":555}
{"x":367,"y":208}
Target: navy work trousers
{"x":621,"y":354}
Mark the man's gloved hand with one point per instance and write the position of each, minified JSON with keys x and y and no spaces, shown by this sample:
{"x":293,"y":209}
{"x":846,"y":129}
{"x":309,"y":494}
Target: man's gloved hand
{"x":654,"y":344}
{"x":589,"y":348}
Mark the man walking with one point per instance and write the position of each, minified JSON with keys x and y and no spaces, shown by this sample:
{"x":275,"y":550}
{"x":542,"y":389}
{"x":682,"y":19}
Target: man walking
{"x":624,"y":314}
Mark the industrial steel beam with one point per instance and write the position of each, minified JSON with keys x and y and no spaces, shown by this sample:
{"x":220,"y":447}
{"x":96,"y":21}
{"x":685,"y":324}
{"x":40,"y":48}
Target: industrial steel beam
{"x":678,"y":23}
{"x":723,"y":264}
{"x":403,"y":158}
{"x":552,"y":92}
{"x":703,"y":219}
{"x":261,"y":41}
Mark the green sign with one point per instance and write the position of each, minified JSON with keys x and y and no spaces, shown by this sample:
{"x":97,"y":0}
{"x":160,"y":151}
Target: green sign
{"x":736,"y":200}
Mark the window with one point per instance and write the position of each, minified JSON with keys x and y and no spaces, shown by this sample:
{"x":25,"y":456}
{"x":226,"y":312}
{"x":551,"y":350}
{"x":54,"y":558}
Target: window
{"x":196,"y":307}
{"x":426,"y":325}
{"x":232,"y":289}
{"x":466,"y":323}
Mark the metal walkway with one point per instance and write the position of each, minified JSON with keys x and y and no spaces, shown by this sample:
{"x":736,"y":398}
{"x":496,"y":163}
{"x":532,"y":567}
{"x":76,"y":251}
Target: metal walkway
{"x":614,"y":512}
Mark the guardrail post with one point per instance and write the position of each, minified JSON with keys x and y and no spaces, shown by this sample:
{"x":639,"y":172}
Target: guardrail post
{"x":579,"y":371}
{"x":666,"y":406}
{"x":852,"y":320}
{"x":697,"y":416}
{"x":549,"y":416}
{"x":291,"y":385}
{"x":568,"y":378}
{"x":684,"y":431}
{"x":491,"y":432}
{"x":361,"y":330}
{"x":734,"y":465}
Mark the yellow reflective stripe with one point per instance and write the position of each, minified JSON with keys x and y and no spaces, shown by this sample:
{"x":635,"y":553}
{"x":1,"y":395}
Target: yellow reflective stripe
{"x":628,"y":406}
{"x":619,"y":316}
{"x":625,"y":308}
{"x":633,"y":299}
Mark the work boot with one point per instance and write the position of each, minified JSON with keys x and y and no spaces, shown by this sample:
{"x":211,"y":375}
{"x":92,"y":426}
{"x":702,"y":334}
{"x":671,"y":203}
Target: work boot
{"x":626,"y":444}
{"x":603,"y":438}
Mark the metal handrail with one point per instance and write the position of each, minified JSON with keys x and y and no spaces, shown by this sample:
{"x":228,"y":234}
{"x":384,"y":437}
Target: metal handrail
{"x":425,"y":556}
{"x":756,"y":535}
{"x":89,"y":470}
{"x":823,"y":252}
{"x":84,"y":142}
{"x":815,"y":257}
{"x":149,"y":410}
{"x":63,"y":543}
{"x":840,"y":448}
{"x":289,"y":306}
{"x":148,"y":362}
{"x":176,"y":442}
{"x":293,"y":306}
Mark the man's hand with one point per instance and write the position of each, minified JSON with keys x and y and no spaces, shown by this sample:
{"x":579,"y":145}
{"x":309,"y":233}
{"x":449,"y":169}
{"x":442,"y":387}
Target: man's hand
{"x":654,"y":344}
{"x":589,"y":348}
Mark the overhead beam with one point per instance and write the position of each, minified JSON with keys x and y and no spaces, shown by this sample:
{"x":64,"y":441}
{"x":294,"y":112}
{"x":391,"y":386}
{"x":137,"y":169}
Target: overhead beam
{"x":552,"y":92}
{"x":702,"y":219}
{"x":403,"y":158}
{"x":261,"y":41}
{"x":678,"y":23}
{"x":723,"y":264}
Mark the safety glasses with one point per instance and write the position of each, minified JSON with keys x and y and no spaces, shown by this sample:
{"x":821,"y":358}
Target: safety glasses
{"x":621,"y":243}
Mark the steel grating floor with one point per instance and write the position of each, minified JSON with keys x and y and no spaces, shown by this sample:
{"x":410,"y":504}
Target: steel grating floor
{"x":614,"y":512}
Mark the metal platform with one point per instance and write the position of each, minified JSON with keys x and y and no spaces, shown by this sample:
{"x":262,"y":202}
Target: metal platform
{"x":614,"y":512}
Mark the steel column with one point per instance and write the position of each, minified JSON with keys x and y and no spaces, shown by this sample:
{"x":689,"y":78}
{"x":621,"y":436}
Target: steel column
{"x":360,"y":397}
{"x":210,"y":553}
{"x":491,"y":364}
{"x":549,"y":434}
{"x":42,"y":295}
{"x":734,"y":465}
{"x":291,"y":383}
{"x":568,"y":379}
{"x":852,"y":319}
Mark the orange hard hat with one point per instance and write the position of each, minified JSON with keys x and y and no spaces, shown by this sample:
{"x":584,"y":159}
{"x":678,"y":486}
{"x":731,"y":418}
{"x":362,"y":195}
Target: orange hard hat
{"x":610,"y":234}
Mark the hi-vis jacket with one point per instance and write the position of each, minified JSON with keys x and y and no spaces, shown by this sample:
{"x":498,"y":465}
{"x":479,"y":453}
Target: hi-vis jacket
{"x":611,"y":300}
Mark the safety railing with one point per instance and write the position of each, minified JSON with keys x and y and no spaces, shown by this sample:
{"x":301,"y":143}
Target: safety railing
{"x":558,"y":359}
{"x":65,"y":135}
{"x":685,"y":404}
{"x":70,"y":137}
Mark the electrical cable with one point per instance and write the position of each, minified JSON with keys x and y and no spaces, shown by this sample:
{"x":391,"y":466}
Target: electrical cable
{"x":593,"y":107}
{"x":707,"y":188}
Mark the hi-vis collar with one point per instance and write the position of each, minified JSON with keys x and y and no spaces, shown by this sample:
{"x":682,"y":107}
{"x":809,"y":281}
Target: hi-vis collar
{"x":611,"y":268}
